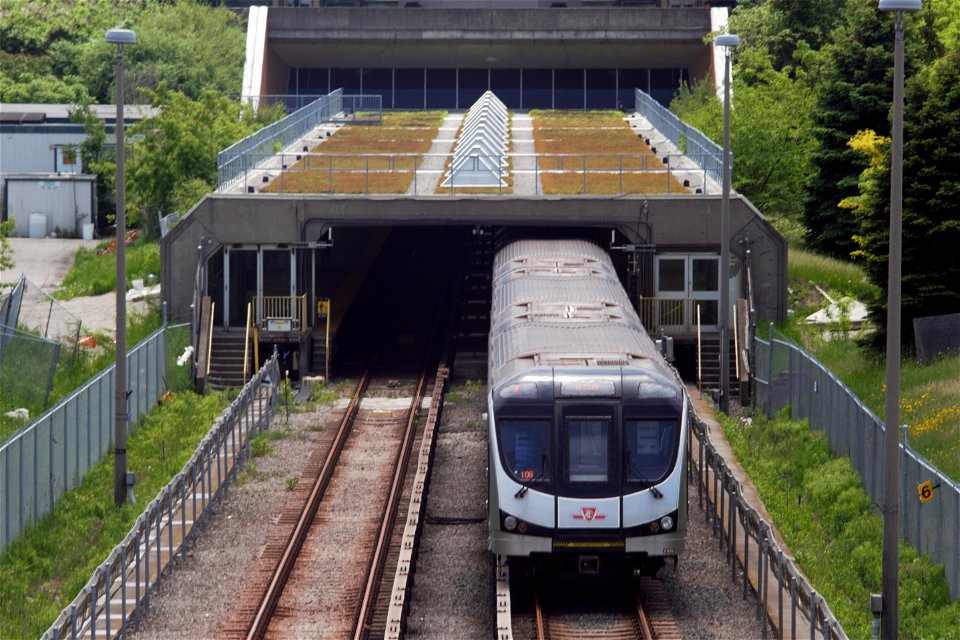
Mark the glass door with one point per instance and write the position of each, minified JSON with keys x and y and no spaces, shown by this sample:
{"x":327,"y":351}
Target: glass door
{"x":684,"y":284}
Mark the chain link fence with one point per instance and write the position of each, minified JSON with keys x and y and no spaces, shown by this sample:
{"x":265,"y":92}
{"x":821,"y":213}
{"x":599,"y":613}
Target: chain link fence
{"x":49,"y":456}
{"x":789,"y":376}
{"x":33,"y":331}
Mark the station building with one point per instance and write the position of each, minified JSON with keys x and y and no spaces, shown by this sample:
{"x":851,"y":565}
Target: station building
{"x":246,"y":246}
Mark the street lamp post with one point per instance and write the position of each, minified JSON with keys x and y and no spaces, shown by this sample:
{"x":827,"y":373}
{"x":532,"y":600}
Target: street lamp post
{"x":120,"y":37}
{"x":889,"y":617}
{"x":727,"y":41}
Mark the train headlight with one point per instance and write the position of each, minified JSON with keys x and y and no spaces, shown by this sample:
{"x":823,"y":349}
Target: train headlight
{"x":666,"y":522}
{"x":510,"y":523}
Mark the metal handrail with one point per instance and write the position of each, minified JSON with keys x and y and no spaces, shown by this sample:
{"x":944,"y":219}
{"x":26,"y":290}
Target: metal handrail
{"x":114,"y":598}
{"x":736,"y":344}
{"x":285,"y":171}
{"x":699,"y":352}
{"x":292,"y":308}
{"x":210,"y":340}
{"x":246,"y":340}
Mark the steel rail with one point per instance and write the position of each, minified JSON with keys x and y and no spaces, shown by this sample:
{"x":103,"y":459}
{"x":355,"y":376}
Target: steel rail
{"x":646,"y":632}
{"x":281,"y":574}
{"x":538,"y":612}
{"x":391,"y":505}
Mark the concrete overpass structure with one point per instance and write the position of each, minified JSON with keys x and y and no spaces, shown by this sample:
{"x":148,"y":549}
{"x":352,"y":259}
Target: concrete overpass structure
{"x":243,"y":246}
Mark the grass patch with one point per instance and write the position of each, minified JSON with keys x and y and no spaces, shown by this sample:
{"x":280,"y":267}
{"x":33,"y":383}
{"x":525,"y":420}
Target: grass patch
{"x":929,"y":393}
{"x":613,"y":145}
{"x":44,"y":569}
{"x":828,"y":523}
{"x":327,"y":393}
{"x":335,"y":166}
{"x":807,"y":270}
{"x":609,"y":183}
{"x":94,"y":273}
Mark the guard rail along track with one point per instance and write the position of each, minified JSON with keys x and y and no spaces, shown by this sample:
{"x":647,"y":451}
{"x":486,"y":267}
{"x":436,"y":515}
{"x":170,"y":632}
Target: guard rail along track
{"x":112,"y":602}
{"x":784,"y":596}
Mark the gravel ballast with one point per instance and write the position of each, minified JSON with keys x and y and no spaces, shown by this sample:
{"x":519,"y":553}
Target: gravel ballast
{"x":453,"y":590}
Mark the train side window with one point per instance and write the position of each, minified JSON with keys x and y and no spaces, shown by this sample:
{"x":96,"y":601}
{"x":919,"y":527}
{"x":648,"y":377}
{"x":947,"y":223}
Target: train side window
{"x":526,"y":449}
{"x":650,"y":449}
{"x":588,"y":450}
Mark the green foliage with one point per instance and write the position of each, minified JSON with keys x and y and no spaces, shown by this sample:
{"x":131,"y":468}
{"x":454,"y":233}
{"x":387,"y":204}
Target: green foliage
{"x":771,"y":152}
{"x":6,"y":254}
{"x":96,"y":157}
{"x":853,"y":94}
{"x":55,"y":51}
{"x":260,"y":446}
{"x":328,"y":392}
{"x":931,"y":207}
{"x":176,"y":159}
{"x":95,"y":273}
{"x":781,"y":27}
{"x":829,"y":525}
{"x":39,"y":573}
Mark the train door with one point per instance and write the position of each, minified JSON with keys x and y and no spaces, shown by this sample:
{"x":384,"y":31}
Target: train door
{"x":589,"y":474}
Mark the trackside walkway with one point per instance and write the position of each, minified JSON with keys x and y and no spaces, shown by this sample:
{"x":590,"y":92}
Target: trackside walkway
{"x":742,"y":524}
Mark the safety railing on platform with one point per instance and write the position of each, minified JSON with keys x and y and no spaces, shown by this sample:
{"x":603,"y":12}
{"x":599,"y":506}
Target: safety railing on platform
{"x":686,"y":139}
{"x":280,"y":313}
{"x":566,"y":174}
{"x":674,"y":315}
{"x":112,"y":602}
{"x":788,"y":375}
{"x":784,"y":597}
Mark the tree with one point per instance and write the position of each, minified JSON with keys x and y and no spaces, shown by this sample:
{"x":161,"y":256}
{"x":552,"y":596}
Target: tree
{"x":782,"y":26}
{"x":771,"y":152}
{"x":931,"y":201}
{"x":853,"y":94}
{"x":179,"y":146}
{"x":54,"y":51}
{"x":97,"y":159}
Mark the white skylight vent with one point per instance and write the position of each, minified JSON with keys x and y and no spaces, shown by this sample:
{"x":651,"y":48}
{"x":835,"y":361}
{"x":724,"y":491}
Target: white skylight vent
{"x":480,"y":156}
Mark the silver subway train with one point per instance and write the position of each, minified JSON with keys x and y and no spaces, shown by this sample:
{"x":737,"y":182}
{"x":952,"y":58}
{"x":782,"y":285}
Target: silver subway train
{"x":587,"y":422}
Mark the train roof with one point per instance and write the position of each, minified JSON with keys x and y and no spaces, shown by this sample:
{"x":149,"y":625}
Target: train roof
{"x":559,"y":304}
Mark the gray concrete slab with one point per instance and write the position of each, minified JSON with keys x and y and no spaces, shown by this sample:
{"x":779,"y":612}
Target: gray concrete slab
{"x":430,"y":172}
{"x":43,"y":260}
{"x":525,"y":178}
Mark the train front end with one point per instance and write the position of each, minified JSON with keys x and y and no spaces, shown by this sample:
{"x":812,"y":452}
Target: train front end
{"x":588,"y":466}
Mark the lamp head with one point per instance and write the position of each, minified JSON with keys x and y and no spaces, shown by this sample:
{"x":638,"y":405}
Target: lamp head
{"x":900,"y":5}
{"x":731,"y":39}
{"x":121,"y":36}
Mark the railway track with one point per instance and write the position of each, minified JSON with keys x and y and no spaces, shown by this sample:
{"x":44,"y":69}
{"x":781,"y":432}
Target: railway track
{"x":333,"y":573}
{"x":585,"y":610}
{"x":327,"y":576}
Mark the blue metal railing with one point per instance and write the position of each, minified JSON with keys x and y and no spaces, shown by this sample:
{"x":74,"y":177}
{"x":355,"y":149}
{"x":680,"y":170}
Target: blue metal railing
{"x":239,"y":158}
{"x":118,"y":593}
{"x":688,"y":140}
{"x":232,"y":161}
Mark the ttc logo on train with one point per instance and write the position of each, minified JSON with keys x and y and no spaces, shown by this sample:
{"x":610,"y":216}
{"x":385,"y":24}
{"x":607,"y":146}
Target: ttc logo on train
{"x":589,"y":514}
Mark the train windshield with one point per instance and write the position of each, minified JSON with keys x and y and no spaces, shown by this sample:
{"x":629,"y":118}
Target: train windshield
{"x":651,"y":447}
{"x":526,"y":449}
{"x":588,"y":450}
